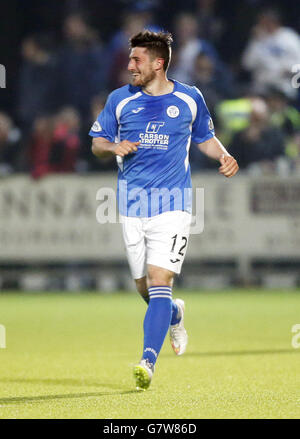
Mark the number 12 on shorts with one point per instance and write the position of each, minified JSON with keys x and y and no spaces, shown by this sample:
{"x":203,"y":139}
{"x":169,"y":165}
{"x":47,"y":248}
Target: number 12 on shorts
{"x":183,"y":244}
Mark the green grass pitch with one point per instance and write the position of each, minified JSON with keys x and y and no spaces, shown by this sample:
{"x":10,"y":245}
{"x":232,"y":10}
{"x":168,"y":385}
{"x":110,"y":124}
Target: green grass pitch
{"x":71,"y":356}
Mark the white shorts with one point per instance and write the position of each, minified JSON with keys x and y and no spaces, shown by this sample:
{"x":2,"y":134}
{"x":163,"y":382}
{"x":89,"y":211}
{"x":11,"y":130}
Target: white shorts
{"x":158,"y":240}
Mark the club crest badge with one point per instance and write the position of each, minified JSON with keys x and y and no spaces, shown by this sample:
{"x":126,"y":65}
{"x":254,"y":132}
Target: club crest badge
{"x":173,"y":111}
{"x":210,"y":124}
{"x":96,"y":127}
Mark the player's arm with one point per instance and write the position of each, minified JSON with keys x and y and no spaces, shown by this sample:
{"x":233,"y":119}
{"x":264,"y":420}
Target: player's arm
{"x":105,"y":130}
{"x":102,"y":147}
{"x":214,"y":149}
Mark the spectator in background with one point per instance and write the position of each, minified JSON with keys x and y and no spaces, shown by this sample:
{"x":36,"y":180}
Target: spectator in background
{"x":293,"y":152}
{"x":271,"y":53}
{"x":138,"y":18}
{"x":55,"y":143}
{"x":37,"y":81}
{"x":39,"y":146}
{"x":260,"y":141}
{"x":214,"y":85}
{"x":82,"y":72}
{"x":283,"y":115}
{"x":287,"y":118}
{"x":10,"y":150}
{"x":211,"y":27}
{"x":232,"y":116}
{"x":188,"y":47}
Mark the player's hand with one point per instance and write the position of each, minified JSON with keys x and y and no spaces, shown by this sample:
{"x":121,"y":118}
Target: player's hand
{"x":229,"y":166}
{"x":126,"y":147}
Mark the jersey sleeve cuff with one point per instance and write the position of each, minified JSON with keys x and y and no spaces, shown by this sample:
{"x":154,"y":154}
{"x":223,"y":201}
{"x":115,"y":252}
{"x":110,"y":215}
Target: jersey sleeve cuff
{"x":208,"y":136}
{"x":101,"y":134}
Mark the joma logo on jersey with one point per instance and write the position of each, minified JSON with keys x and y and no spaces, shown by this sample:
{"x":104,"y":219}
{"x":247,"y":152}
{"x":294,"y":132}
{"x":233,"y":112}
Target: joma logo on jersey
{"x":153,"y":127}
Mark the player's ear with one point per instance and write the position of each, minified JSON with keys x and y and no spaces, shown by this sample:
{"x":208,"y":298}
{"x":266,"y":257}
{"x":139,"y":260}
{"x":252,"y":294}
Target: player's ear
{"x":159,"y":62}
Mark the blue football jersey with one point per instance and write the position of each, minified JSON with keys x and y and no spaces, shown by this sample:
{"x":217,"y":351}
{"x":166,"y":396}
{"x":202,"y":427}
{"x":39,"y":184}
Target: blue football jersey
{"x":156,"y":178}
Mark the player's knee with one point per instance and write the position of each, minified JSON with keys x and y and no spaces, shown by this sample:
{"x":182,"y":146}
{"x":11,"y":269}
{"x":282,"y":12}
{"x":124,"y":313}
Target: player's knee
{"x":158,"y":282}
{"x":159,"y":277}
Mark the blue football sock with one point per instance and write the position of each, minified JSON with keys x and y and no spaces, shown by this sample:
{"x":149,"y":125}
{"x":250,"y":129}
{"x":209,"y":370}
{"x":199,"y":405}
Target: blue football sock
{"x":175,"y":318}
{"x":157,"y":321}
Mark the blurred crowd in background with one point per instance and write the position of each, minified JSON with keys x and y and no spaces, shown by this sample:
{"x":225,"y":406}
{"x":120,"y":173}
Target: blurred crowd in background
{"x":241,"y":59}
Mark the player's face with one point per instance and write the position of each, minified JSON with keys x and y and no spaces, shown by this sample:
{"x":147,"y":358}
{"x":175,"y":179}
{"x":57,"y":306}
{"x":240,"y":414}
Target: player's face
{"x":141,"y":67}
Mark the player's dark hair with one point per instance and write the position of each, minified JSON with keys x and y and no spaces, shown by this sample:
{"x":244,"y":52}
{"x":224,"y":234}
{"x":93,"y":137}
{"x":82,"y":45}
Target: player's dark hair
{"x":157,"y":43}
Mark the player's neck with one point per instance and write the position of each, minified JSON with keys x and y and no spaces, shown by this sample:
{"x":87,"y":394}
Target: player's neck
{"x":158,"y":87}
